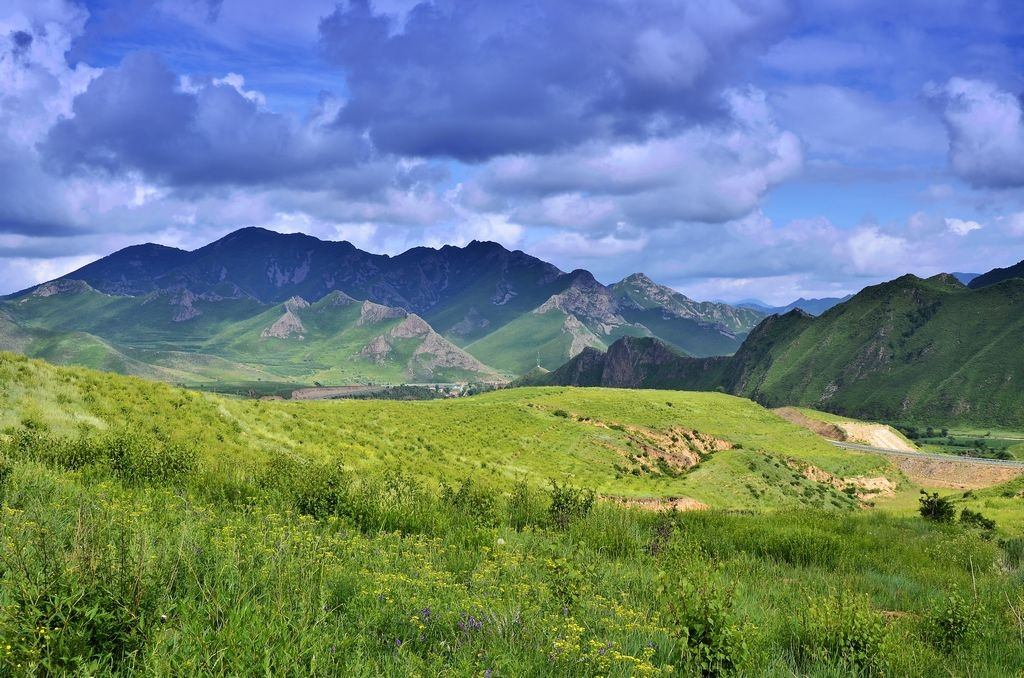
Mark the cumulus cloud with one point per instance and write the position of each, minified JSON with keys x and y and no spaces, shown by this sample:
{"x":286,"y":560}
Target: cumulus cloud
{"x":961,"y":227}
{"x":712,"y":173}
{"x":986,"y":131}
{"x":139,"y":117}
{"x":475,"y":80}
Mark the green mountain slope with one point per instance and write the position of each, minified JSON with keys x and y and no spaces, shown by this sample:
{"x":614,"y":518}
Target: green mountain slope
{"x":907,"y":350}
{"x":700,"y":328}
{"x":175,"y":336}
{"x":997,"y":275}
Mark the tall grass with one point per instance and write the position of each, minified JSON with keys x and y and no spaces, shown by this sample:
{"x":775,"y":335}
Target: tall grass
{"x":305,"y":568}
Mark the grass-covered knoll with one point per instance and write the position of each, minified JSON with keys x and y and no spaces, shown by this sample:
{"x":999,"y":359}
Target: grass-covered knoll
{"x":153,"y":530}
{"x":134,"y":552}
{"x":640,"y":444}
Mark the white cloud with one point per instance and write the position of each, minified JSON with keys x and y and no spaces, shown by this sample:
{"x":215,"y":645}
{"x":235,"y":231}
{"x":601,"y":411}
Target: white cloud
{"x":961,"y":227}
{"x":709,"y":173}
{"x":986,"y":131}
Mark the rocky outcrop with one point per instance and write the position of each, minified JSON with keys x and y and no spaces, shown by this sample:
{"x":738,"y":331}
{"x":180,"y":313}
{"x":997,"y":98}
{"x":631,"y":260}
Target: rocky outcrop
{"x":371,"y":313}
{"x":60,"y":287}
{"x":636,"y":362}
{"x":289,"y":325}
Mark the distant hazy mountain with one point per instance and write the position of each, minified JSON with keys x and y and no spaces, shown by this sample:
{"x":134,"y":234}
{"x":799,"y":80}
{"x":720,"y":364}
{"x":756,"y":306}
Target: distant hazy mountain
{"x":812,"y":306}
{"x":997,"y":275}
{"x":913,"y":350}
{"x":965,"y":278}
{"x":256,"y":299}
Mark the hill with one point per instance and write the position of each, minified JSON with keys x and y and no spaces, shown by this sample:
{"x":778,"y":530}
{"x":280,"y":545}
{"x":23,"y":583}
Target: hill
{"x":997,"y":275}
{"x":149,"y":530}
{"x":929,"y":351}
{"x":178,"y":337}
{"x":506,"y":308}
{"x":709,"y":447}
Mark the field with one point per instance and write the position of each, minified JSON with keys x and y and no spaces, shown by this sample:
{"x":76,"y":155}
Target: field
{"x":152,"y":530}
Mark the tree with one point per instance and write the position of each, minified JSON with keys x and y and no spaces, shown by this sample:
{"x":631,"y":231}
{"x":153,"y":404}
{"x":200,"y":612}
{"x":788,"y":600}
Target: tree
{"x":934,"y":507}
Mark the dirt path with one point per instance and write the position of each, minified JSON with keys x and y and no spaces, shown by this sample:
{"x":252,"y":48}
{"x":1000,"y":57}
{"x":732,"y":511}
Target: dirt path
{"x":875,"y":435}
{"x":861,"y":432}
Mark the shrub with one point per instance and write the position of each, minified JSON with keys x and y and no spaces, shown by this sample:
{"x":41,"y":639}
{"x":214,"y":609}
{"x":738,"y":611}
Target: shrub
{"x":568,"y":503}
{"x":934,"y":507}
{"x":525,"y":507}
{"x":953,"y":623}
{"x":842,"y":631}
{"x":1014,"y":549}
{"x":321,"y":490}
{"x":6,"y":469}
{"x":561,"y":413}
{"x":976,"y":519}
{"x":140,"y":459}
{"x":710,"y":639}
{"x":474,"y":503}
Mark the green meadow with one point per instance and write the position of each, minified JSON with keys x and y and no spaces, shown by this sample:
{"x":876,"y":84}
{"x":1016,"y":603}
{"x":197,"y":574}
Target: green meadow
{"x":150,"y":530}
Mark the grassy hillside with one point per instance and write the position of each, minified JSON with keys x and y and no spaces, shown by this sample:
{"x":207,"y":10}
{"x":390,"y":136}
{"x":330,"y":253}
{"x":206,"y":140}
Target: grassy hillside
{"x":909,"y":350}
{"x":604,"y":439}
{"x":545,"y":339}
{"x":149,"y":530}
{"x":176,"y":338}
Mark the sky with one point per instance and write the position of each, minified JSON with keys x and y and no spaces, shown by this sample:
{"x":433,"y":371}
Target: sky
{"x":732,"y":149}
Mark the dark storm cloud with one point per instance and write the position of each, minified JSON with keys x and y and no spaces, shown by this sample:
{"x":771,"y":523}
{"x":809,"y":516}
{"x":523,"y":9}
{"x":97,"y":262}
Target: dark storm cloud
{"x":21,"y":41}
{"x":472,"y":80}
{"x":138,"y":117}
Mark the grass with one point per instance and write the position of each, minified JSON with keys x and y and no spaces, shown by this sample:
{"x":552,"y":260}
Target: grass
{"x":911,"y":349}
{"x":502,"y":436}
{"x":149,"y":530}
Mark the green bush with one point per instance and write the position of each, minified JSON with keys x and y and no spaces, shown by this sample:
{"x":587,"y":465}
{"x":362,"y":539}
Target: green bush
{"x":321,"y":490}
{"x":6,"y":469}
{"x":953,"y":623}
{"x":934,"y":507}
{"x":472,"y":502}
{"x":140,"y":459}
{"x":136,"y":458}
{"x":710,"y":640}
{"x":844,"y":632}
{"x":976,"y":519}
{"x":525,"y":507}
{"x":568,"y":503}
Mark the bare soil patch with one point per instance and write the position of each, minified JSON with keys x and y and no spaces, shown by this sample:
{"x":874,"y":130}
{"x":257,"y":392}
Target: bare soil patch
{"x":957,"y":475}
{"x":659,"y":503}
{"x":822,"y":428}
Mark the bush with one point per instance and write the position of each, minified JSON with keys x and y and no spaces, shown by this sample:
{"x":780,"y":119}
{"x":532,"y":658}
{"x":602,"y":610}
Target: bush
{"x":477,"y":504}
{"x":525,"y":507}
{"x":135,"y":457}
{"x":934,"y":507}
{"x":142,"y":460}
{"x":975,"y":519}
{"x":568,"y":503}
{"x":953,"y":623}
{"x":6,"y":469}
{"x":710,"y":640}
{"x":321,"y":490}
{"x":843,"y":631}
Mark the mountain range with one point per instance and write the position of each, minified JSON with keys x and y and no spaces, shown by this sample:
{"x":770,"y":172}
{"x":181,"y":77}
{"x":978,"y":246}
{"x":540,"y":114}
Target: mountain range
{"x":258,"y":305}
{"x":910,"y":350}
{"x":811,"y":306}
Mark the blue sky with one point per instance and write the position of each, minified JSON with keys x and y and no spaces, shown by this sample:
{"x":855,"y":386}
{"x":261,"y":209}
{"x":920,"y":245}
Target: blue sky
{"x":729,"y":148}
